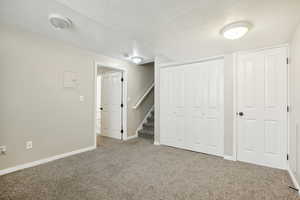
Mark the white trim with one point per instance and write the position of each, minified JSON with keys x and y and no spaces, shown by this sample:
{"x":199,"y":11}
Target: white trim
{"x":234,"y":145}
{"x":156,"y":143}
{"x":222,"y":104}
{"x":144,"y":120}
{"x":117,"y":137}
{"x":43,"y":161}
{"x":156,"y":101}
{"x":295,"y":182}
{"x":131,"y":137}
{"x":142,"y":98}
{"x":125,"y":82}
{"x":95,"y":105}
{"x":235,"y":103}
{"x":173,"y":64}
{"x":229,"y":158}
{"x":263,"y":49}
{"x":288,"y":104}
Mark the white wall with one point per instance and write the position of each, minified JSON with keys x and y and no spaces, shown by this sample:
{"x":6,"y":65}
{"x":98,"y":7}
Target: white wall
{"x":294,"y":82}
{"x":36,"y":107}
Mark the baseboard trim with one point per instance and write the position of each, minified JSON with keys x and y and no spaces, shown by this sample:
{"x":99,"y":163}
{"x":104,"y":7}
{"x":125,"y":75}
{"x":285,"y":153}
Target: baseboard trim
{"x":231,"y":158}
{"x":131,"y":137}
{"x":43,"y":161}
{"x":118,"y":137}
{"x":295,"y":182}
{"x":156,"y":143}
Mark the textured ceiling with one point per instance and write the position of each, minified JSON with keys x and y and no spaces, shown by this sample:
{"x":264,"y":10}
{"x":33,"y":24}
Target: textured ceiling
{"x":178,"y":29}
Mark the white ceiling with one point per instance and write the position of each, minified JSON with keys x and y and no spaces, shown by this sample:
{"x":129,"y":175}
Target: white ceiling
{"x":177,"y":29}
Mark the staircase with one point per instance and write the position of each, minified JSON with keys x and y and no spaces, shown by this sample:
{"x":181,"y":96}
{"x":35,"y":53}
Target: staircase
{"x":148,"y":127}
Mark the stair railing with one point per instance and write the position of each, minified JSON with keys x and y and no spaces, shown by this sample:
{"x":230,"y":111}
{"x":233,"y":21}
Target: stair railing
{"x":142,"y":98}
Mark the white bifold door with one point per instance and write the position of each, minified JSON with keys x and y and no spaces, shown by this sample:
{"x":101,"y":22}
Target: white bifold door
{"x":111,"y":100}
{"x":262,"y":107}
{"x":191,"y":107}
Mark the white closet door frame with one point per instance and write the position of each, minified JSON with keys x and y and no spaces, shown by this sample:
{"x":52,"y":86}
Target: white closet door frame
{"x":175,"y":64}
{"x":235,"y":95}
{"x":125,"y":82}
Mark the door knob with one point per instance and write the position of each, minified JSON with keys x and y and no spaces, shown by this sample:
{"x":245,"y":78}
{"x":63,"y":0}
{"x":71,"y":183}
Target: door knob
{"x":241,"y":114}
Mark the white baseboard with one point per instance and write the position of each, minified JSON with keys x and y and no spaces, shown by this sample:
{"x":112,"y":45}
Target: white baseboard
{"x":229,"y":158}
{"x":144,"y":120}
{"x":295,"y":182}
{"x":43,"y":161}
{"x":156,"y":143}
{"x":131,"y":137}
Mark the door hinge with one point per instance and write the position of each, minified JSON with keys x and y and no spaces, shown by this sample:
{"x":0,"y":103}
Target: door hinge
{"x":288,"y":109}
{"x":287,"y":156}
{"x":122,"y":105}
{"x":287,"y":61}
{"x":122,"y":79}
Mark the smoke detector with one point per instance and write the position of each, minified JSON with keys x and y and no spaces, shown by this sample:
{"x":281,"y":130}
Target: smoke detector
{"x":59,"y":22}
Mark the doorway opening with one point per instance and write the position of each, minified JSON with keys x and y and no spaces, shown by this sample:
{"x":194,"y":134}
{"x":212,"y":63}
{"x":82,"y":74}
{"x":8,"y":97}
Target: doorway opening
{"x":111,"y":106}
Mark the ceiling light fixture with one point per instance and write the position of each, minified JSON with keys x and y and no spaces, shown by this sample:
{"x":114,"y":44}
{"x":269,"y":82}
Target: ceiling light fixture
{"x":59,"y":22}
{"x":136,"y":59}
{"x":236,"y":30}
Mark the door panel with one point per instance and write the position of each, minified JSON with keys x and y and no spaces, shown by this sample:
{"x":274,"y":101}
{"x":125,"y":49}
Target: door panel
{"x":195,"y":120}
{"x":262,"y":97}
{"x":111,"y":99}
{"x":192,"y":107}
{"x":171,"y":108}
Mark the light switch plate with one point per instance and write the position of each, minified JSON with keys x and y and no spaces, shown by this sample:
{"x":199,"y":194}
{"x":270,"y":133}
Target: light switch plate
{"x":2,"y":149}
{"x":29,"y":145}
{"x":81,"y":98}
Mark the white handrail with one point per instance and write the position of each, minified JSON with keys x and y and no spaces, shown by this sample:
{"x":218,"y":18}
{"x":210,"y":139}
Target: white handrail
{"x":138,"y":103}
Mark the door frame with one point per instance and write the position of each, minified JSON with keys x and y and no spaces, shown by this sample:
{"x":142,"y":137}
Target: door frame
{"x":235,"y":96}
{"x":124,"y":113}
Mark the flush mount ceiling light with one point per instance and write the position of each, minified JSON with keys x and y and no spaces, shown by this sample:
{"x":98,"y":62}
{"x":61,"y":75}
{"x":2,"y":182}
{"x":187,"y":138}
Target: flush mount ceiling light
{"x":59,"y":22}
{"x":236,"y":30}
{"x":136,"y":59}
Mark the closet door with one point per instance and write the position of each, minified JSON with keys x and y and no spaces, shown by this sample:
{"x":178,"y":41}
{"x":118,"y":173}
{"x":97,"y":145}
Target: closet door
{"x":192,"y":107}
{"x":172,"y":107}
{"x":214,"y":107}
{"x":196,"y":79}
{"x":204,"y":88}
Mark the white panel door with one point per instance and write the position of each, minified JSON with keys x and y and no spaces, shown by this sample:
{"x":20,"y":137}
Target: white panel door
{"x":204,"y":88}
{"x":192,"y":107}
{"x":111,"y":98}
{"x":262,"y":104}
{"x":172,"y":107}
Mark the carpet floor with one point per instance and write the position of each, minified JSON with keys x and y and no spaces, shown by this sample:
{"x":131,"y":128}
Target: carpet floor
{"x":138,"y":170}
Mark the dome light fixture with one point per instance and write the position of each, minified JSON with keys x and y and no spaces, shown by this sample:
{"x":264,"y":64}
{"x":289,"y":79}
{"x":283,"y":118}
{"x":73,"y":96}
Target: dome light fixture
{"x":236,"y":30}
{"x":59,"y":22}
{"x":137,"y":60}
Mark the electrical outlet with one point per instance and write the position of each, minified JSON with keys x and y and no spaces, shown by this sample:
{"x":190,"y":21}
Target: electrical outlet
{"x":2,"y":149}
{"x":29,"y":145}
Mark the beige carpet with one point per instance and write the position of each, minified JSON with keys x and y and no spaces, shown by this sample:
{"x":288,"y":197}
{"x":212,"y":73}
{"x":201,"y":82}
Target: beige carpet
{"x":138,"y":170}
